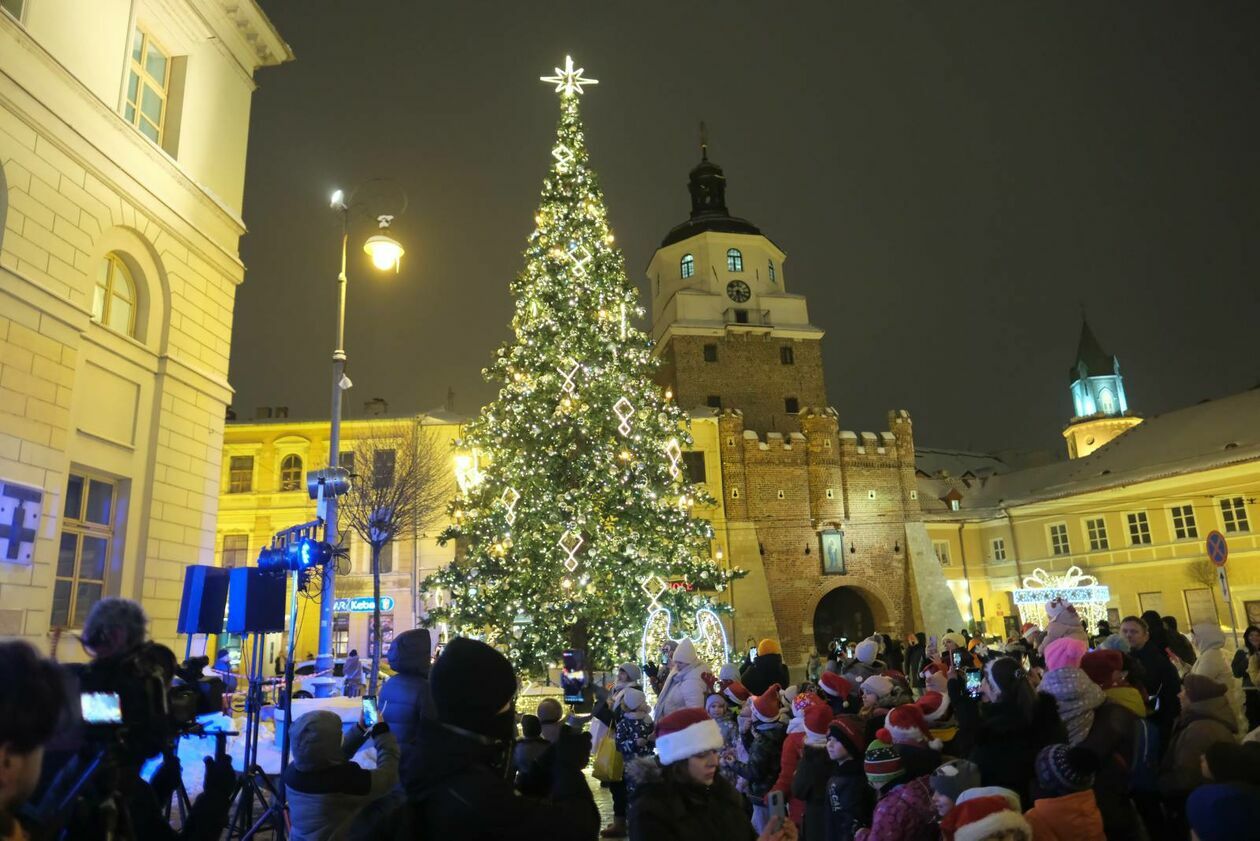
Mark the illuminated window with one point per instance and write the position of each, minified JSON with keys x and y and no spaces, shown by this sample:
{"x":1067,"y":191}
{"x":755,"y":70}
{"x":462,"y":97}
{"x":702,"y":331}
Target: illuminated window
{"x":240,"y":474}
{"x":148,"y":86}
{"x":1096,"y":530}
{"x":1059,"y":539}
{"x":1139,"y":529}
{"x":114,"y":296}
{"x":999,"y":549}
{"x":773,"y":277}
{"x":734,"y":260}
{"x":941,"y":548}
{"x":1234,"y":514}
{"x":1184,"y":526}
{"x":87,"y":535}
{"x":291,"y":473}
{"x":1106,"y":403}
{"x":235,"y":550}
{"x":687,"y":266}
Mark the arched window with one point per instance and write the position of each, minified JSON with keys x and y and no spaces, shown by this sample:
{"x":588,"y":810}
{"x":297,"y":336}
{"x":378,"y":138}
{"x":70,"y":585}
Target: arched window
{"x":687,"y":266}
{"x":114,"y":297}
{"x":734,"y":260}
{"x":773,"y":277}
{"x":291,"y":473}
{"x":1106,"y":403}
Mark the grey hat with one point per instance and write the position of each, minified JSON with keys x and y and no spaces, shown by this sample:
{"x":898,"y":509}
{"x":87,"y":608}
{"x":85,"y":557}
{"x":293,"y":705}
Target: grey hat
{"x":316,"y":740}
{"x":954,"y":777}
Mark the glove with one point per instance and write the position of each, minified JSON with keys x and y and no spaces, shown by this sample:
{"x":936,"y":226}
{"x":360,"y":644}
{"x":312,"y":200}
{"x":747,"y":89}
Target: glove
{"x":378,"y":729}
{"x":651,"y":670}
{"x":220,"y":776}
{"x":572,"y":748}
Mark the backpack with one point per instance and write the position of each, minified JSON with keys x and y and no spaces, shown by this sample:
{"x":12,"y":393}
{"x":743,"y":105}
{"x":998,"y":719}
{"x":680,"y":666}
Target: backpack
{"x":1144,"y":764}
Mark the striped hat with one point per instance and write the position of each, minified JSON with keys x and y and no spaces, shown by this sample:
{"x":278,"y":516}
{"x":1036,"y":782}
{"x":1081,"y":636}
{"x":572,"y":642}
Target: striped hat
{"x":883,"y":764}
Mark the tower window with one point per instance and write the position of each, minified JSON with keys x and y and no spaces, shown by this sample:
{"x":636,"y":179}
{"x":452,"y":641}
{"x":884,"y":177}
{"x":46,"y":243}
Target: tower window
{"x":1106,"y":403}
{"x":787,"y":356}
{"x":791,"y":405}
{"x":713,"y":401}
{"x":770,"y":269}
{"x":741,"y":316}
{"x":710,"y":353}
{"x":687,"y":266}
{"x":734,"y":260}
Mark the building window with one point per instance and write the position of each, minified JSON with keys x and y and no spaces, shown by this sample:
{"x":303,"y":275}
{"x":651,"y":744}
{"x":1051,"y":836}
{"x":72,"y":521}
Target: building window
{"x":346,"y":461}
{"x":998,"y":546}
{"x":734,"y":493}
{"x":710,"y":353}
{"x":1200,"y":607}
{"x":734,"y":260}
{"x":1096,"y":529}
{"x":1139,"y":529}
{"x":787,"y":356}
{"x":383,"y":468}
{"x":341,"y":634}
{"x":1106,"y":403}
{"x":831,"y":494}
{"x":941,"y":548}
{"x":87,"y":535}
{"x":955,"y":504}
{"x":114,"y":296}
{"x":240,"y":474}
{"x":693,"y":464}
{"x":791,"y":405}
{"x":770,"y":268}
{"x":235,"y":550}
{"x":148,"y":86}
{"x":13,"y":7}
{"x":1234,"y":514}
{"x":1059,"y":539}
{"x":1184,"y":526}
{"x":291,"y":473}
{"x":687,"y":266}
{"x":713,"y":401}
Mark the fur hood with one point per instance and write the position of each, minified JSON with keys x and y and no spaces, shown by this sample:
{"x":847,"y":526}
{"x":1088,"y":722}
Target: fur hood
{"x":644,"y":770}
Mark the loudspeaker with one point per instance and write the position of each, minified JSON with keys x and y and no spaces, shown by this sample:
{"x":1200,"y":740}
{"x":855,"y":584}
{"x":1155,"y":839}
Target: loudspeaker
{"x":256,"y":601}
{"x":205,"y":596}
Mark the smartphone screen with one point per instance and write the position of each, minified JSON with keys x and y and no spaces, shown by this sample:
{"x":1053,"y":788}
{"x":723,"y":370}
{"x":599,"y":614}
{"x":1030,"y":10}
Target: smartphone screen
{"x":100,"y":708}
{"x":974,"y":676}
{"x":370,"y":714}
{"x":573,"y":676}
{"x":958,"y":659}
{"x":752,"y":654}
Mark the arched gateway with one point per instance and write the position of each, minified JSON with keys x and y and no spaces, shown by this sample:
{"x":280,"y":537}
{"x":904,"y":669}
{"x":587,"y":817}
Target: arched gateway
{"x":842,"y":612}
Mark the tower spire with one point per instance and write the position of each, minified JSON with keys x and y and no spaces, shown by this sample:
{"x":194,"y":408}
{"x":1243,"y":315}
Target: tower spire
{"x":704,"y":142}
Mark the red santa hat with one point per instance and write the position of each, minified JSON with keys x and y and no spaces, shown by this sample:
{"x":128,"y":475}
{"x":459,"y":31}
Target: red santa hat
{"x":685,"y":733}
{"x":984,"y":817}
{"x":906,"y":725}
{"x":934,"y":705}
{"x":803,"y":701}
{"x":931,"y":668}
{"x":766,"y":705}
{"x":835,"y":685}
{"x":736,"y":693}
{"x":817,"y":723}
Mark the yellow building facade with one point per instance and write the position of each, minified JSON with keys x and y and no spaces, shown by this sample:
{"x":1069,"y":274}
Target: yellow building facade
{"x":123,"y":132}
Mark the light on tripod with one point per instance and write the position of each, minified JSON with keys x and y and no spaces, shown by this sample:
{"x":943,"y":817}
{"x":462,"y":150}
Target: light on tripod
{"x":336,"y":481}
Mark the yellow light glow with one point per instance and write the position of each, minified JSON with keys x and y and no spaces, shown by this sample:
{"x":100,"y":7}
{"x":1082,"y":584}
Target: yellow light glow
{"x":386,"y":252}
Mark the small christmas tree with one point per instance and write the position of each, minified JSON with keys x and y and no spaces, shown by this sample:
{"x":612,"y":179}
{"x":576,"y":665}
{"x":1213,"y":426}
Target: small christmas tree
{"x":574,"y":507}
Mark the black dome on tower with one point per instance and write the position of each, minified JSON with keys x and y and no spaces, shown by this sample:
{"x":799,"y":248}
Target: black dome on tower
{"x":707,"y":186}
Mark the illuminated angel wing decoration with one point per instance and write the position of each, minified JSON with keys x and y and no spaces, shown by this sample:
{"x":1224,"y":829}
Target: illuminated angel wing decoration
{"x":710,"y":640}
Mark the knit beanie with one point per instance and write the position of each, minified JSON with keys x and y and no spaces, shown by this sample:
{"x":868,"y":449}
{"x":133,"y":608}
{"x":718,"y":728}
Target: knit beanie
{"x":1220,"y":812}
{"x":956,"y":638}
{"x":686,"y":733}
{"x":1201,"y":688}
{"x":803,"y":701}
{"x":549,"y":711}
{"x":906,"y":725}
{"x":736,"y":693}
{"x":867,"y":650}
{"x":934,"y":705}
{"x":633,"y":699}
{"x":768,"y":646}
{"x":877,"y":685}
{"x":1064,"y":652}
{"x":954,"y":777}
{"x":817,"y":724}
{"x":1065,"y":770}
{"x":789,"y":695}
{"x":728,"y":674}
{"x":981,"y":817}
{"x":632,"y":671}
{"x":882,"y":763}
{"x":835,"y":685}
{"x":1101,"y":665}
{"x":849,"y":731}
{"x":766,"y":705}
{"x":471,"y":684}
{"x":1004,"y":673}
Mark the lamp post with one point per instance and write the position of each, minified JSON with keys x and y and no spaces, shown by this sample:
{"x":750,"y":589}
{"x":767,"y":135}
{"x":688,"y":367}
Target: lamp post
{"x":386,"y":253}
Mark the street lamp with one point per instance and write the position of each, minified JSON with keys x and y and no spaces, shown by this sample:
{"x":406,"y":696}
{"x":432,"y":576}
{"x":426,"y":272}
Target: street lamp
{"x":386,"y":253}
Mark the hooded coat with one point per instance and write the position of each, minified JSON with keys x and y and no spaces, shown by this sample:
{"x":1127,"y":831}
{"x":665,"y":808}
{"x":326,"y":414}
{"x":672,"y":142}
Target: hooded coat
{"x":668,"y":809}
{"x":325,"y":789}
{"x":1201,"y":725}
{"x":1212,"y":663}
{"x":762,"y":768}
{"x":405,"y":698}
{"x":1072,"y":817}
{"x":684,"y":688}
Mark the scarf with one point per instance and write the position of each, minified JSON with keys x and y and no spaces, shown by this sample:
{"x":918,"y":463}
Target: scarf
{"x":1077,"y":697}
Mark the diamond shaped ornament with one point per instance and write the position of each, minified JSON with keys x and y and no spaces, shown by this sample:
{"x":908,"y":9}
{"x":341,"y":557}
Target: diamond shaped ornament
{"x":654,"y":585}
{"x":624,"y":410}
{"x":570,"y":542}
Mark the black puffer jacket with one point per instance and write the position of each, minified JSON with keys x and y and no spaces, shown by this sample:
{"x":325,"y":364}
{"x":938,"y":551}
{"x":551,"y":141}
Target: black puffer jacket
{"x":405,"y":697}
{"x":764,"y":672}
{"x":665,"y":808}
{"x":837,"y":798}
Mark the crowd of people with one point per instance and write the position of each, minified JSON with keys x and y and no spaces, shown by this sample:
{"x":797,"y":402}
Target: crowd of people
{"x":1142,"y":733}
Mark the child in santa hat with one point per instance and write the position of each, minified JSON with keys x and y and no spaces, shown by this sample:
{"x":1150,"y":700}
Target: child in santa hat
{"x":793,"y":743}
{"x":758,"y":762}
{"x":906,"y":728}
{"x":985,"y":819}
{"x":838,"y":692}
{"x":939,"y":714}
{"x":830,"y":779}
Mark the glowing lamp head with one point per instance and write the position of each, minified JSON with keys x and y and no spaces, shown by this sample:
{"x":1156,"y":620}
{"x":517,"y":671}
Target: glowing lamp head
{"x":385,"y":251}
{"x":337,"y":202}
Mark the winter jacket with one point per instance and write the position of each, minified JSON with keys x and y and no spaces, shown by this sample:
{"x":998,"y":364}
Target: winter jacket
{"x":904,"y":814}
{"x":1162,"y":683}
{"x":406,"y":697}
{"x":525,"y":752}
{"x":1072,"y":817}
{"x":1212,"y":663}
{"x":762,"y":768}
{"x":1239,"y":666}
{"x":1202,"y":724}
{"x":1181,"y":646}
{"x":325,"y":789}
{"x":762,"y":673}
{"x":633,"y":737}
{"x":835,"y":794}
{"x":352,"y":672}
{"x":1111,"y":739}
{"x":789,"y":756}
{"x":1076,"y":697}
{"x":857,"y":671}
{"x":1129,"y":698}
{"x":684,"y":688}
{"x":914,"y":661}
{"x":668,"y":810}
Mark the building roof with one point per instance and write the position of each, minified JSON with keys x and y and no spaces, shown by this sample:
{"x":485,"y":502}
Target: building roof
{"x":1211,"y":434}
{"x":1090,"y":356}
{"x":707,"y":186}
{"x":937,"y":462}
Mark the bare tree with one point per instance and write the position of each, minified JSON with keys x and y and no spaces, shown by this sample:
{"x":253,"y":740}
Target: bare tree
{"x":1202,"y":571}
{"x":402,"y":483}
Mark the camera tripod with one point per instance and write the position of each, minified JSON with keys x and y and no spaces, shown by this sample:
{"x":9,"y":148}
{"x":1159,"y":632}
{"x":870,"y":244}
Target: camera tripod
{"x":255,"y":787}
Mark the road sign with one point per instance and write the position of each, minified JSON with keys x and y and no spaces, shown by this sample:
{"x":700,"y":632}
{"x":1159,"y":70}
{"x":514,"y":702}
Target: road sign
{"x":1220,"y":576}
{"x":1217,"y":548}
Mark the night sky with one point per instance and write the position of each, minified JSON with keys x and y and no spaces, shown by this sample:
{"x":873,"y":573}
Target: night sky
{"x":950,"y":181}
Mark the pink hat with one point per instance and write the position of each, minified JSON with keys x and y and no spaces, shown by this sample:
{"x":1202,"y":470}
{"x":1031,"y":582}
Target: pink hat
{"x":766,"y":705}
{"x":1064,"y":652}
{"x":934,"y":705}
{"x":907,"y":725}
{"x":685,"y":733}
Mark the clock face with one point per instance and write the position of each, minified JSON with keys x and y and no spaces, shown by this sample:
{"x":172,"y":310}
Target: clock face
{"x":738,"y":291}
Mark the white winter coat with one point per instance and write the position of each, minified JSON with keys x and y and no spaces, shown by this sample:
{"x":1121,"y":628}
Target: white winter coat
{"x":684,"y":687}
{"x":1210,"y":642}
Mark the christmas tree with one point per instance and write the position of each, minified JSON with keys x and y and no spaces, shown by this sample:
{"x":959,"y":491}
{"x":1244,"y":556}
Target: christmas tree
{"x":574,"y":508}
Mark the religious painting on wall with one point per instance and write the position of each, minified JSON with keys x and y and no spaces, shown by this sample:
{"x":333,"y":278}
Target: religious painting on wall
{"x":832,"y":552}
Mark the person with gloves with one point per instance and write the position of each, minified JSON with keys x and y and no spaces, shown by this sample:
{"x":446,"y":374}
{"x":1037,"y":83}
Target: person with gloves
{"x":758,"y":763}
{"x":684,"y":686}
{"x":405,"y":697}
{"x":904,"y":811}
{"x":1211,"y":663}
{"x":1066,"y":808}
{"x":679,"y":794}
{"x":829,"y":779}
{"x":768,"y":668}
{"x":951,"y":779}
